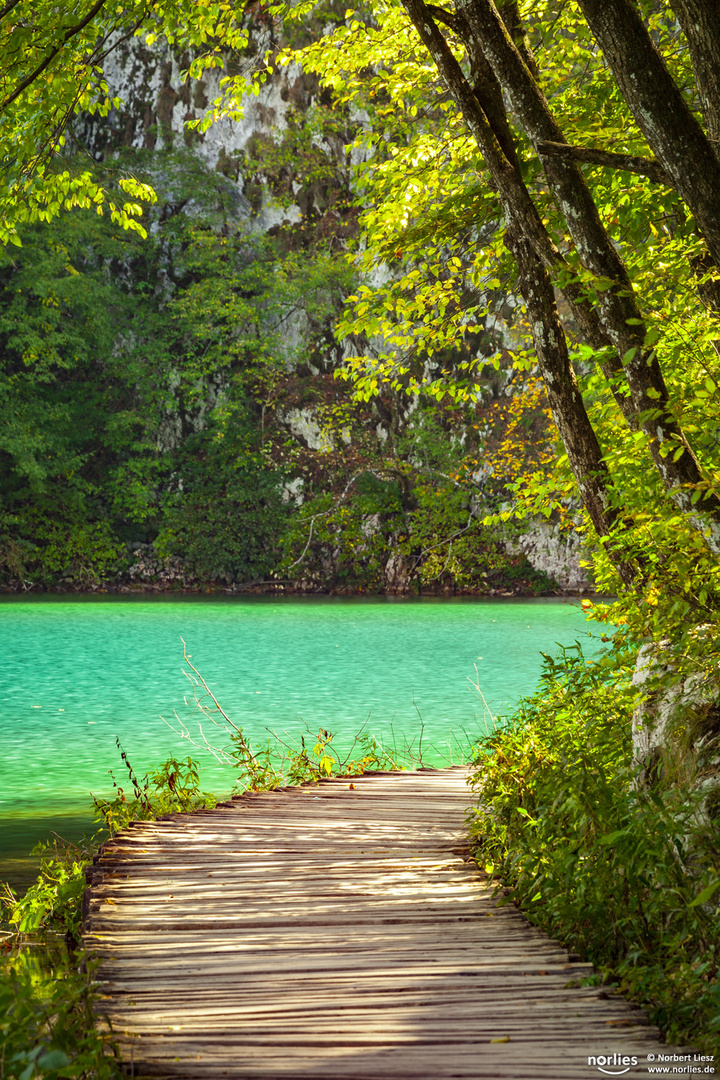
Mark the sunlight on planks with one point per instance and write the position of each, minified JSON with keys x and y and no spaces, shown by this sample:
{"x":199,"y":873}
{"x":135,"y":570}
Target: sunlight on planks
{"x":337,"y":931}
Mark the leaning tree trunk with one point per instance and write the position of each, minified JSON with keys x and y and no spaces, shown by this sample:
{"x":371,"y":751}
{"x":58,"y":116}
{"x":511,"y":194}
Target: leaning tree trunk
{"x":620,"y":315}
{"x":700,"y":22}
{"x":566,"y":404}
{"x":526,"y":237}
{"x":660,"y":110}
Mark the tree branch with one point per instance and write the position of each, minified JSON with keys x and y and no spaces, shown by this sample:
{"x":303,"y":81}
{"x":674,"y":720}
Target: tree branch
{"x":609,"y":160}
{"x":443,"y":16}
{"x":71,"y":33}
{"x":8,"y":8}
{"x":98,"y":58}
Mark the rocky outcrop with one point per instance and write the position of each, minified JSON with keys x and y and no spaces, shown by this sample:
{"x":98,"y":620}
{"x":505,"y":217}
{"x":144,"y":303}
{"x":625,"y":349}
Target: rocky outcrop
{"x":676,"y":726}
{"x":149,"y":569}
{"x":556,"y":552}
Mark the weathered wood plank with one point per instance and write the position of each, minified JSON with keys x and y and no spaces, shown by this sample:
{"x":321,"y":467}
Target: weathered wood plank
{"x":337,"y":931}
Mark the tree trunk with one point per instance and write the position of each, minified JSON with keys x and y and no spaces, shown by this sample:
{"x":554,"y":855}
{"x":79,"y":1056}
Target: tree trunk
{"x":700,"y":22}
{"x":673,"y":133}
{"x":566,"y":404}
{"x":531,"y":246}
{"x":620,"y":314}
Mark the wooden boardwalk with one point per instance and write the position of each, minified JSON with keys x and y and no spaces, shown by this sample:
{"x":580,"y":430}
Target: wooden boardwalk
{"x":337,"y":931}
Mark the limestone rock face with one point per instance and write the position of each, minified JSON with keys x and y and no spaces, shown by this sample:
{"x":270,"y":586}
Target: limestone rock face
{"x":304,"y":425}
{"x":676,"y":726}
{"x":556,"y":552}
{"x":157,"y":103}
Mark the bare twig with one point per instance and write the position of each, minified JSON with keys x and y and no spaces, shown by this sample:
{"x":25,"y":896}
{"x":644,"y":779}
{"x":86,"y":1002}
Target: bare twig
{"x":199,"y":681}
{"x":307,"y":545}
{"x":448,"y":540}
{"x":324,"y":513}
{"x":486,"y":708}
{"x":183,"y":731}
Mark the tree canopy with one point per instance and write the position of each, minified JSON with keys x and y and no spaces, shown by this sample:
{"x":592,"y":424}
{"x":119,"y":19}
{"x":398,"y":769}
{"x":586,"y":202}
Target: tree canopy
{"x":539,"y":181}
{"x":563,"y":159}
{"x":52,"y":69}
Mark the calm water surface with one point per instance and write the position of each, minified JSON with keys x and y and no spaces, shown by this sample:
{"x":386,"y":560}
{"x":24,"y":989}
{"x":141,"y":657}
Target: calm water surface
{"x":75,"y":673}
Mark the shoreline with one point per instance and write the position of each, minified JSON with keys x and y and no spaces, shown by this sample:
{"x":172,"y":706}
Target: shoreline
{"x":269,"y":589}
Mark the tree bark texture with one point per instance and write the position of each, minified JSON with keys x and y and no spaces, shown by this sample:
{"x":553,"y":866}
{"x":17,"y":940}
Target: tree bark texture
{"x":489,"y":94}
{"x":608,"y":159}
{"x":525,"y":235}
{"x":674,"y":135}
{"x":568,"y":410}
{"x":700,"y":22}
{"x":487,"y":30}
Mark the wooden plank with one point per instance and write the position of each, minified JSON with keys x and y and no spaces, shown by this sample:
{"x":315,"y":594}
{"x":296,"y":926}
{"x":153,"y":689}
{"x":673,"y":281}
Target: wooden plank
{"x":336,"y":931}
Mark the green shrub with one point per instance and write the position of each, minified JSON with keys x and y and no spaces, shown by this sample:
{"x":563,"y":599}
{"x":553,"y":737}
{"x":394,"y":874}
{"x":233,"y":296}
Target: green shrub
{"x":46,"y":1020}
{"x":624,"y":875}
{"x":53,"y":903}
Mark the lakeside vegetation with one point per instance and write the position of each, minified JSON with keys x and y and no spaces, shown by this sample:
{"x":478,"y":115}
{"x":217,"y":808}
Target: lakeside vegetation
{"x":170,"y":418}
{"x":621,"y":871}
{"x":517,"y":219}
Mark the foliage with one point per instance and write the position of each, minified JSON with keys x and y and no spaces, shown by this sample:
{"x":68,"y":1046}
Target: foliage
{"x":52,"y":904}
{"x":131,"y":413}
{"x":279,"y":763}
{"x":439,"y":304}
{"x":52,"y":69}
{"x":407,"y":514}
{"x":145,"y":390}
{"x":404,"y":531}
{"x":228,"y":520}
{"x":449,"y":542}
{"x":627,"y":875}
{"x":173,"y":787}
{"x":46,"y":1019}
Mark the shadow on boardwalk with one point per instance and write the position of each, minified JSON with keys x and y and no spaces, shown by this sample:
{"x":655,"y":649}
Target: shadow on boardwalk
{"x":339,"y":931}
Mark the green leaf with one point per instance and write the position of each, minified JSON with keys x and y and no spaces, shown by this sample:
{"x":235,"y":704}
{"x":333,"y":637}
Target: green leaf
{"x":704,"y":896}
{"x":53,"y":1059}
{"x":612,"y":838}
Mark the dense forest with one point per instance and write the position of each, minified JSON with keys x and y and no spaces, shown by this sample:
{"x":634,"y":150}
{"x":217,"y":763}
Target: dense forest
{"x":171,"y":416}
{"x":390,"y":299}
{"x":174,"y":407}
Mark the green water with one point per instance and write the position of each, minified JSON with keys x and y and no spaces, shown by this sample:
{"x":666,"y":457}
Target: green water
{"x":75,"y":673}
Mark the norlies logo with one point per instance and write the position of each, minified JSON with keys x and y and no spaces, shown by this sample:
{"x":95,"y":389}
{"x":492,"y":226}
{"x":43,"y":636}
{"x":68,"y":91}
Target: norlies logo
{"x":613,"y":1064}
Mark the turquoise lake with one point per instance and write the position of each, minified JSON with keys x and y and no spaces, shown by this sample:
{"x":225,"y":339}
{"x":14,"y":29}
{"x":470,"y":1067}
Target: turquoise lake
{"x":75,"y":673}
